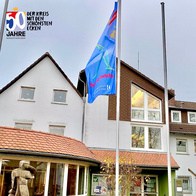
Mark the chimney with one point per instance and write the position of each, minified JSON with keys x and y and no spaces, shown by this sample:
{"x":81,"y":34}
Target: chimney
{"x":172,"y":100}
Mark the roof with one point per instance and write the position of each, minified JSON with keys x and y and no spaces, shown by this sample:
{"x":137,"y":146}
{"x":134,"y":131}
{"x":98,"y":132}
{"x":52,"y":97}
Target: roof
{"x":83,"y":78}
{"x":170,"y":92}
{"x":142,"y":159}
{"x":182,"y":128}
{"x":184,"y":105}
{"x":14,"y":140}
{"x":33,"y":65}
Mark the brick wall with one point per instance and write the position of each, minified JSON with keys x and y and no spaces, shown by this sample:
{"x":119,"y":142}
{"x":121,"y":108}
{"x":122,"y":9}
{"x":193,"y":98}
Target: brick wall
{"x":184,"y":116}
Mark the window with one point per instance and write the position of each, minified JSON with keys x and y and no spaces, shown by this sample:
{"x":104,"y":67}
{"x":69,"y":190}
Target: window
{"x":175,"y":116}
{"x":145,"y":107}
{"x":71,"y":182}
{"x":59,"y":130}
{"x":56,"y":179}
{"x":75,"y":175}
{"x":23,"y":125}
{"x":146,"y":137}
{"x":81,"y":180}
{"x":150,"y":185}
{"x":181,"y":146}
{"x":191,"y":117}
{"x":35,"y":185}
{"x":76,"y":180}
{"x":144,"y":186}
{"x":154,"y":138}
{"x":138,"y":137}
{"x":27,"y":93}
{"x":186,"y":184}
{"x":59,"y":96}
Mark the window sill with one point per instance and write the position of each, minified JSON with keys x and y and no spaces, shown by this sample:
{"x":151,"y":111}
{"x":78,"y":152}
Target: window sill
{"x":193,"y":123}
{"x":146,"y":150}
{"x":188,"y":192}
{"x":146,"y":121}
{"x":26,"y":100}
{"x":59,"y":103}
{"x":182,"y":153}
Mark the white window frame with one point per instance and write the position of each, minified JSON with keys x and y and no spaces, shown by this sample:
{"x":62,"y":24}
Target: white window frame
{"x":146,"y":135}
{"x":27,"y":87}
{"x":77,"y":179}
{"x":190,"y":190}
{"x":23,"y":123}
{"x":189,"y":117}
{"x":57,"y":126}
{"x":180,"y":118}
{"x":182,"y":139}
{"x":65,"y":181}
{"x":58,"y":102}
{"x":146,"y":109}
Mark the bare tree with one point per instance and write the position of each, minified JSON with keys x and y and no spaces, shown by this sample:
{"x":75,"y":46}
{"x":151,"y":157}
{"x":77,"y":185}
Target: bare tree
{"x":128,"y":175}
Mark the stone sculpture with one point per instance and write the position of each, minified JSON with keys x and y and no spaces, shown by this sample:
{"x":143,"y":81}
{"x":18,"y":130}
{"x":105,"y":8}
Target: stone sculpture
{"x":20,"y":178}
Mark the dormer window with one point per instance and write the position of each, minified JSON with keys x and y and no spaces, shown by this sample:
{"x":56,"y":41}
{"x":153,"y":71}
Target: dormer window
{"x":145,"y":107}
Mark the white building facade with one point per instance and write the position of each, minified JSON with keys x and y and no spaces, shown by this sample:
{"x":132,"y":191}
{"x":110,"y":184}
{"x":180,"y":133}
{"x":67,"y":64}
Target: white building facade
{"x":183,"y":143}
{"x":142,"y":128}
{"x":43,"y":98}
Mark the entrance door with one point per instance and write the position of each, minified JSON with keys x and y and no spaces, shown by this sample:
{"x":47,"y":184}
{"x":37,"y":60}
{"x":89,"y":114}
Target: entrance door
{"x":146,"y":186}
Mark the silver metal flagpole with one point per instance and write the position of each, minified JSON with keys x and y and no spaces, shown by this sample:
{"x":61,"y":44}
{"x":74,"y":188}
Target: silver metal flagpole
{"x":118,"y":97}
{"x":3,"y":22}
{"x":166,"y":100}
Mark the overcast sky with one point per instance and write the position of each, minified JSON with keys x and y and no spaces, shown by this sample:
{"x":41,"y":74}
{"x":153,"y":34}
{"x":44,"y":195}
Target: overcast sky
{"x":78,"y":24}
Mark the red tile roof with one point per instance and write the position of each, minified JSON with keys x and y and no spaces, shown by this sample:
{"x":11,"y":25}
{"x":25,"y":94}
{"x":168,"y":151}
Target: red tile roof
{"x":144,"y":159}
{"x":36,"y":142}
{"x":182,"y":128}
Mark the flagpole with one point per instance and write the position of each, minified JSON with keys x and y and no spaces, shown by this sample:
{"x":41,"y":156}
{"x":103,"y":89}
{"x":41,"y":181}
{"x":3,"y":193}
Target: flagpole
{"x":118,"y":96}
{"x":166,"y":99}
{"x":3,"y":22}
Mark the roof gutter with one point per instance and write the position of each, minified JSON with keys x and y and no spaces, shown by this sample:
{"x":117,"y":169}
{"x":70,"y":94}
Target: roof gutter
{"x":48,"y":155}
{"x":181,"y":132}
{"x":154,"y":167}
{"x":180,"y":108}
{"x":158,"y":167}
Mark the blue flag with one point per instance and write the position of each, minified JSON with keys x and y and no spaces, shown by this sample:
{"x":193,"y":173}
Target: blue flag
{"x":101,"y":68}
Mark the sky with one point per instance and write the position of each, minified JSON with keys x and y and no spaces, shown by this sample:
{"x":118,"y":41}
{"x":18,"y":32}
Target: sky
{"x":78,"y":24}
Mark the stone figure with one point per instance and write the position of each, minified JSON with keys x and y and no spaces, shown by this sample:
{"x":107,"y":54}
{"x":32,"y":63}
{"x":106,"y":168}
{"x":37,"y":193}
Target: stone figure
{"x":20,"y":178}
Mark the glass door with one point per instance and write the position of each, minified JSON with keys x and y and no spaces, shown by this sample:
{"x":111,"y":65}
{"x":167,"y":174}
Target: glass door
{"x":145,"y":186}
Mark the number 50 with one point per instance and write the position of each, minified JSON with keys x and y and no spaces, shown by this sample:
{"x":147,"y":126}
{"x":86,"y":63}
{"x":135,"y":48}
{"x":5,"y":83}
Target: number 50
{"x":19,"y":21}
